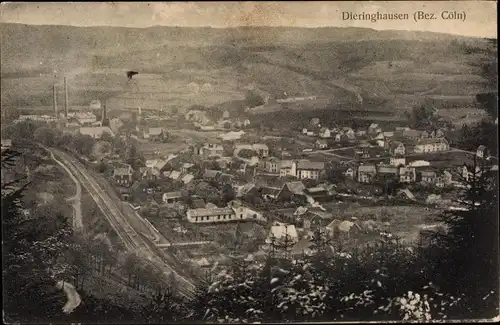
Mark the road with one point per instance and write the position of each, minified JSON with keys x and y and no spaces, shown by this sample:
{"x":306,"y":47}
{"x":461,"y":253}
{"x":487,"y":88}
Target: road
{"x":134,"y":241}
{"x":74,"y":299}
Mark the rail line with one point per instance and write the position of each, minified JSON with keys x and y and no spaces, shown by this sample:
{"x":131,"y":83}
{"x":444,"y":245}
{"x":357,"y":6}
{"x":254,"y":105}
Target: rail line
{"x":132,"y":240}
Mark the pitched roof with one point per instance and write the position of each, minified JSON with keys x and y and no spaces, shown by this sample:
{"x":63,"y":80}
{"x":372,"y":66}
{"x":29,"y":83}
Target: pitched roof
{"x":270,"y":191}
{"x":307,"y":164}
{"x":428,"y":173}
{"x":286,"y":164}
{"x":122,"y":171}
{"x":209,"y":212}
{"x":388,"y":169}
{"x":197,"y":203}
{"x":367,"y":169}
{"x":155,"y":131}
{"x":96,"y":131}
{"x":175,"y":174}
{"x":210,"y":173}
{"x":187,"y":165}
{"x":295,"y":187}
{"x":280,"y":230}
{"x":321,"y":141}
{"x":172,"y":195}
{"x":411,"y":133}
{"x":481,"y":147}
{"x":260,"y":146}
{"x":432,"y":141}
{"x":373,"y":126}
{"x":187,"y":178}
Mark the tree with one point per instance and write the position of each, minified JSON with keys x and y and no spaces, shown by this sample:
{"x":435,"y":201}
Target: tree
{"x":422,"y":117}
{"x":489,"y":103}
{"x":253,"y":99}
{"x":30,"y":253}
{"x":247,"y":153}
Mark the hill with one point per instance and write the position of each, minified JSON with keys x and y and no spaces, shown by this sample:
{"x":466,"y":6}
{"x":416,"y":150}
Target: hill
{"x":180,"y":67}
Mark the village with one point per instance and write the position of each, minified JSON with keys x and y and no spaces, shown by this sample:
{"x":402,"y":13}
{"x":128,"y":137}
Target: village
{"x":211,"y":187}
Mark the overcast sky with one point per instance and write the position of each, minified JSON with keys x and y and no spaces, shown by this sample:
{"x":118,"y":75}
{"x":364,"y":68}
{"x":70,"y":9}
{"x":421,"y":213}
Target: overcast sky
{"x":480,"y":15}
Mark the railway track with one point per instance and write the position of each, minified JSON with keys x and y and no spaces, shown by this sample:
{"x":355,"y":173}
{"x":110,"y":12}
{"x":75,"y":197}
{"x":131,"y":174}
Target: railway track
{"x":133,"y":241}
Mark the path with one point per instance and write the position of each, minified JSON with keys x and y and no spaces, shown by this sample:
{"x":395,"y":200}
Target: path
{"x":133,"y":240}
{"x":74,"y":299}
{"x":76,"y":199}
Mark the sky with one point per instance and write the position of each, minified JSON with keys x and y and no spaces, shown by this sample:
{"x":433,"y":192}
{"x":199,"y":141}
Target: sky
{"x":480,"y":21}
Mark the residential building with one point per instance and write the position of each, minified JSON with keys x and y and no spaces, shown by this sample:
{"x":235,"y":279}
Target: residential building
{"x":445,"y":179}
{"x":282,"y":232}
{"x":482,"y":152}
{"x":397,"y":148}
{"x":154,"y":134}
{"x":96,"y":132}
{"x":212,"y":150}
{"x":171,"y":198}
{"x":340,"y":137}
{"x":324,"y":133}
{"x":439,"y":133}
{"x":272,"y":165}
{"x":387,"y":170}
{"x":261,"y":149}
{"x":424,"y":134}
{"x":432,"y":145}
{"x":388,"y":134}
{"x":304,"y":131}
{"x":407,"y":174}
{"x":156,"y":166}
{"x":38,"y":118}
{"x":123,"y":176}
{"x":285,"y":168}
{"x":290,"y":189}
{"x":360,"y":133}
{"x":411,"y":134}
{"x":205,"y":215}
{"x":397,"y":161}
{"x":321,"y":144}
{"x":187,"y":178}
{"x":374,"y":128}
{"x":315,"y":121}
{"x":349,"y":132}
{"x":366,"y":173}
{"x":350,"y":172}
{"x":244,"y":211}
{"x":318,"y":193}
{"x":419,"y":163}
{"x":315,"y":218}
{"x":186,"y":167}
{"x":428,"y":176}
{"x":305,"y":169}
{"x":270,"y":192}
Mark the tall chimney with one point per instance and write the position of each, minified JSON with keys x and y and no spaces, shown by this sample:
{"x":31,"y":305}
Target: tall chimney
{"x":54,"y":99}
{"x":105,"y":121}
{"x":65,"y":97}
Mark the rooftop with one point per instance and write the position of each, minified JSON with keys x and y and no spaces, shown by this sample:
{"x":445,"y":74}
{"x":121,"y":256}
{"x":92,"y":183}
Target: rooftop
{"x":122,"y":171}
{"x":306,"y":164}
{"x":209,"y":212}
{"x":295,"y":187}
{"x":367,"y":168}
{"x":172,"y":195}
{"x":432,"y":141}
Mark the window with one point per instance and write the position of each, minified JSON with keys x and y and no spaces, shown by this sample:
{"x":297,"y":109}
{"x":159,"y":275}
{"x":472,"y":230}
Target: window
{"x":196,"y":219}
{"x":218,"y":217}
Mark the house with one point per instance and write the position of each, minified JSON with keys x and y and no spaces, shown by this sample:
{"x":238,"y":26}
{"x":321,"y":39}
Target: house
{"x":428,"y":176}
{"x":349,"y":132}
{"x":304,"y":131}
{"x":315,"y":121}
{"x":96,"y":132}
{"x":319,"y":194}
{"x":407,"y":174}
{"x":321,"y":144}
{"x":366,"y":173}
{"x":424,"y":134}
{"x":360,"y":133}
{"x":244,"y":211}
{"x":123,"y":176}
{"x":350,"y":172}
{"x":272,"y":165}
{"x":156,"y":166}
{"x":211,"y":175}
{"x":261,"y":149}
{"x":397,"y":148}
{"x":381,"y":140}
{"x":197,"y":203}
{"x":343,"y":229}
{"x":281,"y":233}
{"x":175,"y":175}
{"x":6,"y":144}
{"x":186,"y":167}
{"x":432,"y":145}
{"x":225,"y":115}
{"x":285,"y":168}
{"x":171,"y":198}
{"x":270,"y":192}
{"x":205,"y":215}
{"x":482,"y":151}
{"x":305,"y":169}
{"x":315,"y":218}
{"x":188,"y":178}
{"x":444,"y":180}
{"x":387,"y":170}
{"x":439,"y":133}
{"x":363,"y":151}
{"x":95,"y":104}
{"x":310,"y":133}
{"x":374,"y":128}
{"x":411,"y":134}
{"x":397,"y":161}
{"x":388,"y":134}
{"x":324,"y":133}
{"x":212,"y":150}
{"x":419,"y":163}
{"x":289,"y":190}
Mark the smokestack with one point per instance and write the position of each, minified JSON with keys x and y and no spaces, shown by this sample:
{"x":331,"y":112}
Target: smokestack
{"x":65,"y":97}
{"x":54,"y":98}
{"x":104,"y":121}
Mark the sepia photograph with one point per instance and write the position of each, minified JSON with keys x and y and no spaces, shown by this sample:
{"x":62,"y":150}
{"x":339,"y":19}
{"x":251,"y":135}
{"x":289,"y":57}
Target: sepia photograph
{"x":249,"y":162}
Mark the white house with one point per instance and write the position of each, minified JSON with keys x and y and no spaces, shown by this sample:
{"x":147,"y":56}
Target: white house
{"x":204,"y":215}
{"x":325,"y":133}
{"x":281,"y":231}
